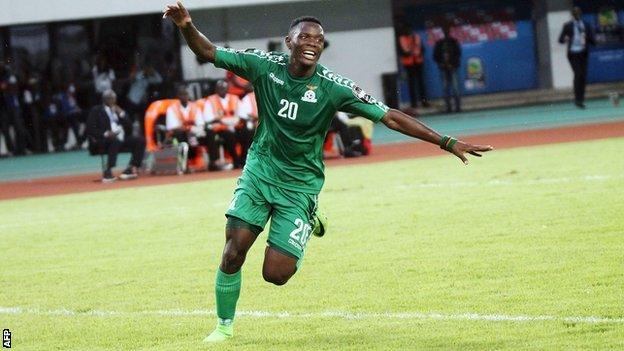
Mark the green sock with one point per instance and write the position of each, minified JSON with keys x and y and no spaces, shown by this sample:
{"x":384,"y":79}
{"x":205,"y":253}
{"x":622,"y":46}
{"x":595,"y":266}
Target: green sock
{"x":227,"y":290}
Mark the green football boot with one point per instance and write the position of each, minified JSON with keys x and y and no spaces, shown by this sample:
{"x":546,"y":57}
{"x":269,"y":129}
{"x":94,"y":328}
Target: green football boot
{"x":320,"y":223}
{"x":220,"y":334}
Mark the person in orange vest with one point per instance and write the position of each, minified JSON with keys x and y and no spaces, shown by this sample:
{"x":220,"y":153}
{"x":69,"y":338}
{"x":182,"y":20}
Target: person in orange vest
{"x":219,"y":118}
{"x":248,"y":113}
{"x":237,"y":85}
{"x":411,"y":52}
{"x":181,"y":119}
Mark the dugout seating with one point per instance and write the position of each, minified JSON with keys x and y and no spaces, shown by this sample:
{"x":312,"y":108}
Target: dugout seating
{"x":156,"y":134}
{"x":333,"y":146}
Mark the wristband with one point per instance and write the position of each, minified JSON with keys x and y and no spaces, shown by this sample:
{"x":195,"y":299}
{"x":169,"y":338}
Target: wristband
{"x":447,"y":143}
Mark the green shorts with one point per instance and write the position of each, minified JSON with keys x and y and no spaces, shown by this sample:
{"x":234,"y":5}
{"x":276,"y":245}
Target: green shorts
{"x":255,"y":200}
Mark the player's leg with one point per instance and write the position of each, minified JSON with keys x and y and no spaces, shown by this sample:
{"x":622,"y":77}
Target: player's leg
{"x":292,"y":224}
{"x":281,"y":264}
{"x":278,"y":266}
{"x":247,"y":215}
{"x":239,"y":239}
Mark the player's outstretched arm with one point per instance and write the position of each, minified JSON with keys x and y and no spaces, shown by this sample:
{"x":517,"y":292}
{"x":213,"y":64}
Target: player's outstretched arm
{"x":201,"y":46}
{"x":399,"y":121}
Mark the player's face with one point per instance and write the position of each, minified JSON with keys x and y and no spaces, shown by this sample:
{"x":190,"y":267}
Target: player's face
{"x":306,"y":43}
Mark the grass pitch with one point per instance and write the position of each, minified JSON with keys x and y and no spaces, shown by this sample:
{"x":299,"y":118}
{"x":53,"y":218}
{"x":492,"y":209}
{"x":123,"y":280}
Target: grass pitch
{"x":422,"y":254}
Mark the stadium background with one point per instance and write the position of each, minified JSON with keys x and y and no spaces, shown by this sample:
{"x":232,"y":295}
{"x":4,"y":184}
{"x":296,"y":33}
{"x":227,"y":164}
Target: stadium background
{"x":523,"y":99}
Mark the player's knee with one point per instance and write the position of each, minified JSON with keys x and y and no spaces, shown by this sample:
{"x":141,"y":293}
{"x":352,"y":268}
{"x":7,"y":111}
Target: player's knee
{"x":232,"y":259}
{"x":277,"y":278}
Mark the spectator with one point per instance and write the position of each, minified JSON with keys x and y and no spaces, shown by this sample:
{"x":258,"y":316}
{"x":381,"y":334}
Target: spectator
{"x":137,"y":95}
{"x":245,"y":130}
{"x":105,"y":128}
{"x":5,"y":123}
{"x":578,"y":35}
{"x":51,"y":123}
{"x":13,"y":105}
{"x":236,"y":85}
{"x":181,"y":119}
{"x":447,"y":54}
{"x":220,"y":118}
{"x":103,"y":76}
{"x":350,"y":136}
{"x":411,"y":52}
{"x":31,"y":96}
{"x":71,"y":115}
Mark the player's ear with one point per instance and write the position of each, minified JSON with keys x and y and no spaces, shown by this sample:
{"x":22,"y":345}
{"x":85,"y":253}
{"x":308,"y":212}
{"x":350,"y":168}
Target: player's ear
{"x":287,"y":41}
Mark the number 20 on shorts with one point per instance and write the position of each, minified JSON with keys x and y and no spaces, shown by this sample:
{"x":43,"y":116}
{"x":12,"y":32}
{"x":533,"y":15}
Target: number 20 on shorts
{"x":302,"y":233}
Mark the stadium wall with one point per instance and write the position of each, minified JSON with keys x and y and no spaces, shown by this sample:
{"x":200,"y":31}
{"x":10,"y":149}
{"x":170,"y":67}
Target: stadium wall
{"x":35,"y":11}
{"x":360,"y":34}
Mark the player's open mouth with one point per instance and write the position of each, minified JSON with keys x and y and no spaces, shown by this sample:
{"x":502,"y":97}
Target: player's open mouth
{"x":310,"y":55}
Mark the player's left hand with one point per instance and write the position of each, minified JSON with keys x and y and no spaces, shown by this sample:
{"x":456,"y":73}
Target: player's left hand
{"x":461,"y":148}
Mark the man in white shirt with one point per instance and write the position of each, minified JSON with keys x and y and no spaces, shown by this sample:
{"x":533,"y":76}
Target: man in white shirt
{"x":181,"y":119}
{"x":248,"y":114}
{"x":220,"y":118}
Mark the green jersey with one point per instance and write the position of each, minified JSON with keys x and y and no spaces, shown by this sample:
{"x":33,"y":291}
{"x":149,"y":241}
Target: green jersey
{"x":294,"y":116}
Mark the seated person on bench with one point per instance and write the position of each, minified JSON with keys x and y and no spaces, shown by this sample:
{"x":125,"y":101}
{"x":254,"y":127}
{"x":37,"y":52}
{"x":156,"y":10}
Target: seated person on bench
{"x":105,"y":127}
{"x":220,"y":119}
{"x":180,"y":120}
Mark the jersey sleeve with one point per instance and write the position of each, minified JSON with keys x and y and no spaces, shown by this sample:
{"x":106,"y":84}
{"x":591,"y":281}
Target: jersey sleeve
{"x":248,"y":64}
{"x":350,"y":98}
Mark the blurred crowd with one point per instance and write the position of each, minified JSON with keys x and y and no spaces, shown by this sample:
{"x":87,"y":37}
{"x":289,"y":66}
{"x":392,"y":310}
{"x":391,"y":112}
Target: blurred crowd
{"x":45,"y":110}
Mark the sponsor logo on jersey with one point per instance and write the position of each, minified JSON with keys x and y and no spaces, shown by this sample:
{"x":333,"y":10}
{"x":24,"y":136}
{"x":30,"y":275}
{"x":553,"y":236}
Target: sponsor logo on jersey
{"x":310,"y":95}
{"x":362,"y":95}
{"x":275,"y":79}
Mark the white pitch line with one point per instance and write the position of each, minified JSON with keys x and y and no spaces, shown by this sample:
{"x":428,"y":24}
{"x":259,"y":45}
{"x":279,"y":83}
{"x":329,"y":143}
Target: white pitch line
{"x":327,"y":314}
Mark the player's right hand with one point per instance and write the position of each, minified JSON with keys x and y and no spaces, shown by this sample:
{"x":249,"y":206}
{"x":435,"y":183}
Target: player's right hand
{"x":460,"y":148}
{"x":178,"y":14}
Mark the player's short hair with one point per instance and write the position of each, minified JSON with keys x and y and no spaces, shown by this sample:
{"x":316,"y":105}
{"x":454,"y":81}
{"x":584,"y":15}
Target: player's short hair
{"x":298,"y":20}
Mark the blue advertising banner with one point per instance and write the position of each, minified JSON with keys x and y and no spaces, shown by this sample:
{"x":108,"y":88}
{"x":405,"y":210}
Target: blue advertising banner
{"x":497,"y":41}
{"x":606,"y":59}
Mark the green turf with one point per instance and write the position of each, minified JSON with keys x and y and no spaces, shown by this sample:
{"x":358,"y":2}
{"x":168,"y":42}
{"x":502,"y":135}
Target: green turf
{"x":534,"y":231}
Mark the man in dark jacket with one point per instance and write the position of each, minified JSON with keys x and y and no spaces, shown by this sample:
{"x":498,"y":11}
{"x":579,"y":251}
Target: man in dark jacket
{"x":447,"y":54}
{"x":105,"y":127}
{"x":578,"y":35}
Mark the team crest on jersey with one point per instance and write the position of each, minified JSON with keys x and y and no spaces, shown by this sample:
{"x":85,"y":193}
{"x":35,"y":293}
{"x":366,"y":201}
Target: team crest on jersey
{"x":309,"y":95}
{"x":362,"y":95}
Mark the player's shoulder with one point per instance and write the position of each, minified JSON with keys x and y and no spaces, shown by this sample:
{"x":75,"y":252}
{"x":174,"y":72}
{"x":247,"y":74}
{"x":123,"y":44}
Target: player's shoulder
{"x":273,"y":56}
{"x":334,"y":81}
{"x":344,"y":88}
{"x":340,"y":85}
